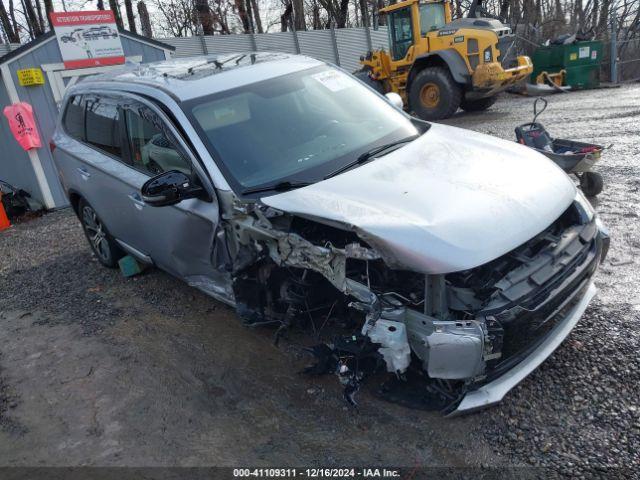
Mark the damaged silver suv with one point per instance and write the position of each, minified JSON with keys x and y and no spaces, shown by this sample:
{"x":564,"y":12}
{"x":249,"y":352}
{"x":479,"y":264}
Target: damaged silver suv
{"x":442,"y":263}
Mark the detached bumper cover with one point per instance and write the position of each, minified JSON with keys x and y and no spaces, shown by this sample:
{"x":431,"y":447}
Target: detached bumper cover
{"x":494,"y":391}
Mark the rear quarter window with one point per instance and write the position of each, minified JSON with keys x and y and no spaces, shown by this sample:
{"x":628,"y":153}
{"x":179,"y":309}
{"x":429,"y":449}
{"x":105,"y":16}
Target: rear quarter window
{"x":73,"y":121}
{"x":102,"y":122}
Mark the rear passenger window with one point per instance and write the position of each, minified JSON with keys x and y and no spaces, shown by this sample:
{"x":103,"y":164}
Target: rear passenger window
{"x":153,"y":149}
{"x":102,"y":118}
{"x":74,"y":118}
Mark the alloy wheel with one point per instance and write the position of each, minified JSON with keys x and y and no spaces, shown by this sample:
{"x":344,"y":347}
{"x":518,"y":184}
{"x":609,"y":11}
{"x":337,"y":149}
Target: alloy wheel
{"x":96,"y":233}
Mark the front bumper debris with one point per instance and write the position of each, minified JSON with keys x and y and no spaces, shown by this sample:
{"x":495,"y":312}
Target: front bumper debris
{"x":494,"y":391}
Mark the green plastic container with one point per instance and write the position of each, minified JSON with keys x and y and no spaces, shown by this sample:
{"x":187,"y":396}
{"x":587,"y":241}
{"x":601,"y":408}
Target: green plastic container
{"x":581,"y":60}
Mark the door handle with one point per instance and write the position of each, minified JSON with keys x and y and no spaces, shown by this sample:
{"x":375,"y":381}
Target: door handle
{"x":137,"y":200}
{"x":84,"y":173}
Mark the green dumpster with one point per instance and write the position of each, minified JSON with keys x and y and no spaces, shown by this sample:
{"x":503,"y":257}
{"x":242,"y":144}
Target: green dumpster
{"x":581,"y":61}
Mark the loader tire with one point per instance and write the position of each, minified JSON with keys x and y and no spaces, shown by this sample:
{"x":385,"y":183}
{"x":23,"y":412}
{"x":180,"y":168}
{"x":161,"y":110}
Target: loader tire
{"x":364,"y":76}
{"x":433,"y":94}
{"x":478,"y":105}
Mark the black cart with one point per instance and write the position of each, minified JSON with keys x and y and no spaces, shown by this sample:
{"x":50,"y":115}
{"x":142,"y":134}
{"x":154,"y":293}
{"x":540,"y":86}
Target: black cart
{"x":575,"y":158}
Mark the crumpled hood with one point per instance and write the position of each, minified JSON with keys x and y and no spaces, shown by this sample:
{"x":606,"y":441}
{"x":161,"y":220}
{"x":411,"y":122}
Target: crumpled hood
{"x":451,"y":200}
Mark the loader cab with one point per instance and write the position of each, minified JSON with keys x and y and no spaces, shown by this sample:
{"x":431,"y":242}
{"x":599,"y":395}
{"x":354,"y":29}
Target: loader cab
{"x":432,"y":16}
{"x":400,"y":32}
{"x":409,"y":22}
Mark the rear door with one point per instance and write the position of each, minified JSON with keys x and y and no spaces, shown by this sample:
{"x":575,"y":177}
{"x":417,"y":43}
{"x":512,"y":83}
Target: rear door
{"x":90,"y":159}
{"x":110,"y":172}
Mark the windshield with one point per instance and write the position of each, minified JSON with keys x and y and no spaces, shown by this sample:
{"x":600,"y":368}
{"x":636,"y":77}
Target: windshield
{"x":297,"y":127}
{"x":431,"y":17}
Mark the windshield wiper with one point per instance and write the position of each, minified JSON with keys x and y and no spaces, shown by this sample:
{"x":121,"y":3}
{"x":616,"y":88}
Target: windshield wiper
{"x":370,"y":154}
{"x":278,"y":187}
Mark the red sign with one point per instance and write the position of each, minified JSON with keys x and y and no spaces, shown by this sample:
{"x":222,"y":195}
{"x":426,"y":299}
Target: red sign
{"x":88,"y":39}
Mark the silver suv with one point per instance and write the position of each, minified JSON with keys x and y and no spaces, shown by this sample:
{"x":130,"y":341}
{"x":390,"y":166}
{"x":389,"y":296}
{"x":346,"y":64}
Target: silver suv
{"x":446,"y":263}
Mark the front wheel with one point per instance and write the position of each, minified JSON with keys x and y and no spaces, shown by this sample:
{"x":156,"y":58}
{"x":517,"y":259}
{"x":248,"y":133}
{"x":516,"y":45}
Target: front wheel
{"x":478,"y":105}
{"x":591,"y":183}
{"x":102,"y":243}
{"x":433,"y":94}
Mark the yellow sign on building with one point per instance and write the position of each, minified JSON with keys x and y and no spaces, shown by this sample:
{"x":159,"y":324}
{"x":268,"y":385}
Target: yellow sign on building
{"x":30,"y":76}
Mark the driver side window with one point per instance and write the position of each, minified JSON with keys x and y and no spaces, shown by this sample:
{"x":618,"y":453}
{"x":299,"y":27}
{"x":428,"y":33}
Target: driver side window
{"x":152,"y":148}
{"x":401,"y":32}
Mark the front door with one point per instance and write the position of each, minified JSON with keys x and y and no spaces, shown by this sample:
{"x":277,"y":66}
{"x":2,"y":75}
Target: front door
{"x":178,"y":238}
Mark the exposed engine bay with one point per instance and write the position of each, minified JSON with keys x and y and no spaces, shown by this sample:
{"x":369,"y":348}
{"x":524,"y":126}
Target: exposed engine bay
{"x":427,"y":339}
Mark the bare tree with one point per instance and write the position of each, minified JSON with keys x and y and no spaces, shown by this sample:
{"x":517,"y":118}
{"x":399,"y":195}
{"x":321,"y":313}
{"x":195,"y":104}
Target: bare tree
{"x":364,"y":13}
{"x":221,"y":11}
{"x":31,"y":16}
{"x":298,"y":15}
{"x":131,"y":19}
{"x":7,"y":25}
{"x":316,"y":23}
{"x":40,"y":17}
{"x":100,"y":4}
{"x":241,"y":8}
{"x":603,"y":24}
{"x":205,"y":18}
{"x":115,"y":8}
{"x":256,"y":16}
{"x":285,"y":18}
{"x":338,"y":11}
{"x":48,"y":10}
{"x":145,"y":22}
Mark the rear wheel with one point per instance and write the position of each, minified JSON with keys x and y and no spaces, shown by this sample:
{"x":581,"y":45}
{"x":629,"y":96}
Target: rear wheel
{"x":364,"y":76}
{"x":102,"y":243}
{"x":434,"y":94}
{"x":478,"y":105}
{"x":591,"y":183}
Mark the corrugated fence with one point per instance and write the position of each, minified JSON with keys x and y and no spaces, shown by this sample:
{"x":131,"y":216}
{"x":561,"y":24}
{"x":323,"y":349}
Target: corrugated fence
{"x":7,"y":47}
{"x":340,"y":46}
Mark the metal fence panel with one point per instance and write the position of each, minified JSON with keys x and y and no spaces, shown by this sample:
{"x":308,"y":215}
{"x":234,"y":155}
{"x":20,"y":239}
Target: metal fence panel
{"x":629,"y":59}
{"x":185,"y":46}
{"x":229,"y":43}
{"x":317,"y":44}
{"x":7,"y":47}
{"x":380,"y":38}
{"x":276,"y":42}
{"x":352,"y":43}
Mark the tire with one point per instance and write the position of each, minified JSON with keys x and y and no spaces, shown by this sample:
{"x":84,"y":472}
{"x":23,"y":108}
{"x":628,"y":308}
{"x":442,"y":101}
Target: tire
{"x":478,"y":105}
{"x":433,"y":94}
{"x":591,"y":183}
{"x":364,"y":77}
{"x":102,"y":243}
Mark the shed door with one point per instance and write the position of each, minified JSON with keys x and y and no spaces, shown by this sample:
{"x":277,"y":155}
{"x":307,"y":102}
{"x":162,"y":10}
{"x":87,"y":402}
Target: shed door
{"x":61,"y":79}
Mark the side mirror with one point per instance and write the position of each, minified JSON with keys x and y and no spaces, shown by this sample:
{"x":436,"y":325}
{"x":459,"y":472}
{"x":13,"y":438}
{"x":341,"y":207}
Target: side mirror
{"x":394,"y":99}
{"x":169,"y":188}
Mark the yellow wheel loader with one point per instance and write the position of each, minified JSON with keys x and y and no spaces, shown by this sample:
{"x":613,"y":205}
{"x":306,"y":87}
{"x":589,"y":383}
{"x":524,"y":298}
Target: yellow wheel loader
{"x":438,"y":65}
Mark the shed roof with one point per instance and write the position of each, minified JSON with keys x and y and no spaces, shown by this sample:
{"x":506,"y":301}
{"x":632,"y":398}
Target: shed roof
{"x":50,"y":34}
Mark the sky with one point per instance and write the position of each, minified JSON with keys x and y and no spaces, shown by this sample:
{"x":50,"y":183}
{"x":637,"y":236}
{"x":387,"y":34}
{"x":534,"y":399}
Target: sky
{"x":270,"y":11}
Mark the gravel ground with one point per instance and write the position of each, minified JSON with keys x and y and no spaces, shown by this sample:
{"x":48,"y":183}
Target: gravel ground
{"x":96,"y":369}
{"x":580,"y":411}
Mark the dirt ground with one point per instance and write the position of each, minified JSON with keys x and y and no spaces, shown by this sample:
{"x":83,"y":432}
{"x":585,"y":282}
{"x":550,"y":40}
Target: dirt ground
{"x":97,"y":369}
